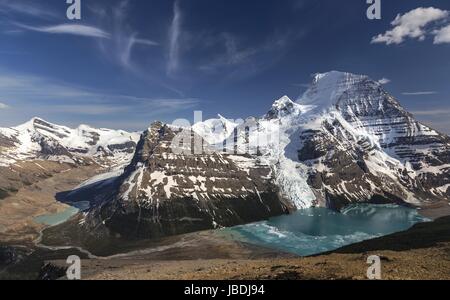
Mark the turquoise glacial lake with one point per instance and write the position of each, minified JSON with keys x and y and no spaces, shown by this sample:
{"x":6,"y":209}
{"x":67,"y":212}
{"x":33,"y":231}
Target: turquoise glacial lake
{"x":61,"y":217}
{"x":316,"y":230}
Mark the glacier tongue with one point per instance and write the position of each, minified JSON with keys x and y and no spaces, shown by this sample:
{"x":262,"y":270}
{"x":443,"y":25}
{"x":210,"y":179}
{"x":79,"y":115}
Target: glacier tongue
{"x":290,"y":174}
{"x":292,"y":179}
{"x":276,"y":140}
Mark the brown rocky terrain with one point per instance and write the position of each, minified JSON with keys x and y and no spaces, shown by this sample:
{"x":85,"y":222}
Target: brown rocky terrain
{"x":30,"y":189}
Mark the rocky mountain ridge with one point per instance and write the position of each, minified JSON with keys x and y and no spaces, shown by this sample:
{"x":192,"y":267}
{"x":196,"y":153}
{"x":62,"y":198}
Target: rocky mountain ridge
{"x":39,"y":139}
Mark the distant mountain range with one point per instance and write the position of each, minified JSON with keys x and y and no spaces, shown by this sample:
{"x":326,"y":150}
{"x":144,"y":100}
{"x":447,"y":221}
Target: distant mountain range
{"x":39,"y":139}
{"x":345,"y":141}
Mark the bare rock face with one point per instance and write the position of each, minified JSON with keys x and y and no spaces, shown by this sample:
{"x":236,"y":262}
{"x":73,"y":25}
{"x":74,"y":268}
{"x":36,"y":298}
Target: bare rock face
{"x":164,"y":193}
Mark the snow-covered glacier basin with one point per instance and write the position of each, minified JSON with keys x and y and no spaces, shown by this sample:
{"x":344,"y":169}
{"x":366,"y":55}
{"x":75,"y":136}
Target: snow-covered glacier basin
{"x":316,"y":230}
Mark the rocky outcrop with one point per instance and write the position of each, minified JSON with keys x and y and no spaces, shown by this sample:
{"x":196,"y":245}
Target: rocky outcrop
{"x":51,"y":271}
{"x":164,"y":193}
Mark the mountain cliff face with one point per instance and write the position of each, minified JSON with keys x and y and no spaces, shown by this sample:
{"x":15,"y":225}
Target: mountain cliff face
{"x":164,"y":193}
{"x":366,"y":147}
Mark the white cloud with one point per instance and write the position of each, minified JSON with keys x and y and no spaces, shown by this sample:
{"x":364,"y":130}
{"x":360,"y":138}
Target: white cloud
{"x":73,"y":29}
{"x":174,"y":40}
{"x":384,"y":81}
{"x":3,"y":106}
{"x":411,"y":25}
{"x":419,"y":93}
{"x":442,"y":35}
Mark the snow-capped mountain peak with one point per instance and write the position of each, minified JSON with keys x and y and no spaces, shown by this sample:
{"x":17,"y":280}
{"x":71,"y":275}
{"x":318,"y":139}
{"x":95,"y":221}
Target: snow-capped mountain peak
{"x":283,"y":102}
{"x":39,"y":139}
{"x":215,"y":131}
{"x":327,"y":88}
{"x":284,"y":107}
{"x":348,"y":124}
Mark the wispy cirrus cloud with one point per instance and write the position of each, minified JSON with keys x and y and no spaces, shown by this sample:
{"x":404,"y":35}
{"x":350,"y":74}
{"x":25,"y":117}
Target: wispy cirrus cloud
{"x":38,"y":96}
{"x":233,"y":54}
{"x":116,"y":38}
{"x":125,"y":104}
{"x":124,"y":48}
{"x":411,"y":25}
{"x":209,"y":52}
{"x":420,"y":93}
{"x":28,"y":8}
{"x":238,"y":60}
{"x":174,"y":40}
{"x":34,"y":88}
{"x":119,"y":48}
{"x":72,"y":29}
{"x":432,"y":112}
{"x":3,"y":106}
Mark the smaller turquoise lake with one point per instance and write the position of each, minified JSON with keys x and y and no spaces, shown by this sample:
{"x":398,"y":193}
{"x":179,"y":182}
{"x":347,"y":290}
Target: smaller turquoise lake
{"x":61,"y":217}
{"x":316,"y":230}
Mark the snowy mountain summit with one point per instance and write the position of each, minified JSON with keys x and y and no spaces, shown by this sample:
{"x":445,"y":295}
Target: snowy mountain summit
{"x":39,"y":139}
{"x":348,"y":140}
{"x":359,"y":144}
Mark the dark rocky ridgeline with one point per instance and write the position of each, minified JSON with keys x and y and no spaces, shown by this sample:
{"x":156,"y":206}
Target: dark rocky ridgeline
{"x":163,"y":193}
{"x":9,"y":255}
{"x":347,"y":167}
{"x":50,"y":271}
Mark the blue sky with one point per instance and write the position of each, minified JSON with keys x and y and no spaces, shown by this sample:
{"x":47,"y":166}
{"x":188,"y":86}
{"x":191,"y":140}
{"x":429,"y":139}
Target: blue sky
{"x":128,"y":63}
